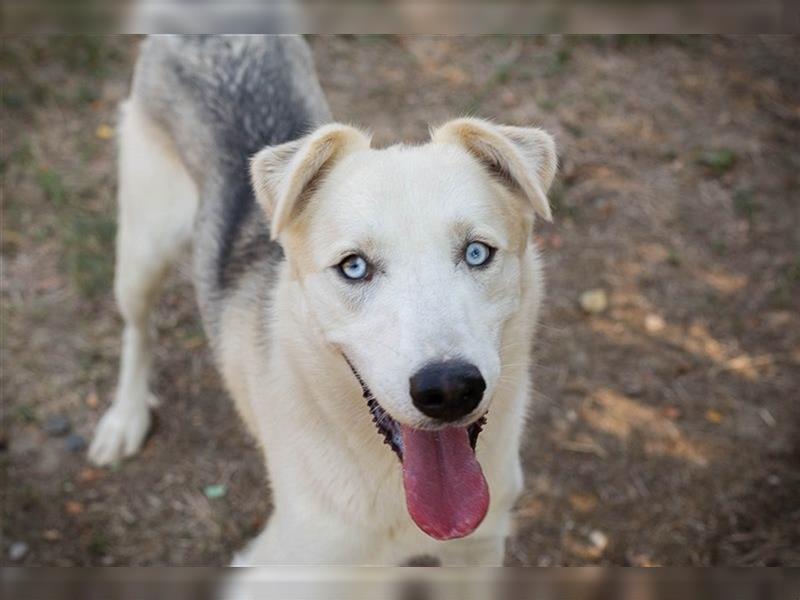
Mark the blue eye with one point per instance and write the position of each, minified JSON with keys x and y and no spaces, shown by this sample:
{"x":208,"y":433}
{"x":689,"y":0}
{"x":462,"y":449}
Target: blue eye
{"x":477,"y":254}
{"x":354,"y":267}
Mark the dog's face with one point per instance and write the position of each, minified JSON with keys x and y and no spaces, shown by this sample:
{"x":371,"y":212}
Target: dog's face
{"x":409,"y":258}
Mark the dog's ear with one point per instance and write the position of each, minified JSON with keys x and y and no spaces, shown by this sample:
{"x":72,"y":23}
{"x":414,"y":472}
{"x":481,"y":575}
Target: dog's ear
{"x":521,"y":158}
{"x":285,"y":176}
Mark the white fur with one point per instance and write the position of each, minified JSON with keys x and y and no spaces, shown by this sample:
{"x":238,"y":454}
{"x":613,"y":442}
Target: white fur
{"x":337,"y":489}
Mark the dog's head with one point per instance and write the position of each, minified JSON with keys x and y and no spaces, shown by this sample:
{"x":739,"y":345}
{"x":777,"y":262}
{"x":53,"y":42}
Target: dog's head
{"x":409,"y":259}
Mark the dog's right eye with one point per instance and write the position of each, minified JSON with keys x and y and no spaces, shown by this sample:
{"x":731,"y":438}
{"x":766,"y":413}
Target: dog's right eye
{"x":355,"y":268}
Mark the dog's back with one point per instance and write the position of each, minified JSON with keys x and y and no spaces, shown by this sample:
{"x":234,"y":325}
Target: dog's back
{"x":220,"y":100}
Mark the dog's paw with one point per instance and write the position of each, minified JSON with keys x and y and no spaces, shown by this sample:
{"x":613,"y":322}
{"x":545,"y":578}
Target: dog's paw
{"x":119,"y":434}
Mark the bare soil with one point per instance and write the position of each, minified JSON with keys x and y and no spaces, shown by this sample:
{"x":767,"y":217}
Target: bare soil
{"x":665,"y":429}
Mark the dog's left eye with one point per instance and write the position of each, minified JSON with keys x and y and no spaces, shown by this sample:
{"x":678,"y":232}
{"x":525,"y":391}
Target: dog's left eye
{"x":354,"y":267}
{"x":477,"y":254}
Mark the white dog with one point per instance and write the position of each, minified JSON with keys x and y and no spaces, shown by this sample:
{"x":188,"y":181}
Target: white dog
{"x":372,"y":311}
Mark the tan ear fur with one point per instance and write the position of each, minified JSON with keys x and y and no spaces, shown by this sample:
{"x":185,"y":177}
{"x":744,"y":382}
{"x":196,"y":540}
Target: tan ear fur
{"x":285,"y":176}
{"x":522,"y":158}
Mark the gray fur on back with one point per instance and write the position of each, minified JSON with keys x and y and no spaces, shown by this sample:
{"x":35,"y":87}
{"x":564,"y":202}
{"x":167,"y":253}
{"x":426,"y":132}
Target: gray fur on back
{"x":221,"y":99}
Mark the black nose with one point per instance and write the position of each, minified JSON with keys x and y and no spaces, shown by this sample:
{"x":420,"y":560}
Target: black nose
{"x":447,"y":390}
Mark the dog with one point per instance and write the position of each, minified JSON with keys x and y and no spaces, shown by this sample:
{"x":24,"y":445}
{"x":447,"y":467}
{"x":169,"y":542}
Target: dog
{"x":371,"y":311}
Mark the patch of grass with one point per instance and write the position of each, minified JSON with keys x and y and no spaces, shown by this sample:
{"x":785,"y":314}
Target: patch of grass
{"x":373,"y":38}
{"x":673,"y":260}
{"x":9,"y":56}
{"x":25,"y":413}
{"x":547,"y":104}
{"x":89,"y":244}
{"x":669,"y":154}
{"x":558,"y":204}
{"x":23,"y":154}
{"x":719,"y":247}
{"x":745,"y":204}
{"x":717,"y":160}
{"x":98,"y":545}
{"x":779,"y":296}
{"x":559,"y":62}
{"x":785,"y":288}
{"x":53,"y":187}
{"x":11,"y":99}
{"x":83,"y":53}
{"x":692,"y":43}
{"x":87,"y":237}
{"x":633,"y":40}
{"x":89,"y":149}
{"x":603,"y":98}
{"x":793,"y":271}
{"x":502,"y":73}
{"x":87,"y":93}
{"x":574,"y":129}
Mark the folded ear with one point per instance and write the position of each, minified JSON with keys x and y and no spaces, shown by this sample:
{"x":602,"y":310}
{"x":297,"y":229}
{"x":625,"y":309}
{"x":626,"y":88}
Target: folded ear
{"x":284,"y":177}
{"x":521,"y":158}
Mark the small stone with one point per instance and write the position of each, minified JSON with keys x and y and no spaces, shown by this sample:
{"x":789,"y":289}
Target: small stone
{"x":213,"y":492}
{"x":17,"y":551}
{"x":594,"y":301}
{"x":654,"y":323}
{"x":767,"y":417}
{"x":56,"y":426}
{"x":51,"y":535}
{"x":75,"y":443}
{"x":599,"y":539}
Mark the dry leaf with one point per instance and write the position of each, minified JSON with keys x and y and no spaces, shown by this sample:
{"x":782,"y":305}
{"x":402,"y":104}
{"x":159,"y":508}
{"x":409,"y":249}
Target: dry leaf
{"x":73,"y":508}
{"x":104,"y":132}
{"x":88,"y":475}
{"x":671,"y":412}
{"x":582,"y":503}
{"x":594,"y":301}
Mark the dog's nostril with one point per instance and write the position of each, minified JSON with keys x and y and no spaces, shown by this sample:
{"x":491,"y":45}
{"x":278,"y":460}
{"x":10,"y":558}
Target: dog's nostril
{"x":447,"y":390}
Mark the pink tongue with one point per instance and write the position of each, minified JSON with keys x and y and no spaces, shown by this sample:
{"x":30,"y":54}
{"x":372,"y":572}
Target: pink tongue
{"x":446,"y":492}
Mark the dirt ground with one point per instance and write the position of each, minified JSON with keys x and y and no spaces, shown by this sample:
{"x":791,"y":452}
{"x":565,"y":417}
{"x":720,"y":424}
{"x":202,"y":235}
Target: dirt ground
{"x":666,"y":428}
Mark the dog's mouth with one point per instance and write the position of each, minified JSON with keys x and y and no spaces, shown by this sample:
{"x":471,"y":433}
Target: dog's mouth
{"x":446,"y":493}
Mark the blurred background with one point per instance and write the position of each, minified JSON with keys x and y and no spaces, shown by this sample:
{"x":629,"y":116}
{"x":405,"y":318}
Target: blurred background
{"x":666,"y":420}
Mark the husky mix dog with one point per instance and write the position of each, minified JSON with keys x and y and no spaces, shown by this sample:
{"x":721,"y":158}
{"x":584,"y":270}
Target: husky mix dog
{"x":371,"y":310}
